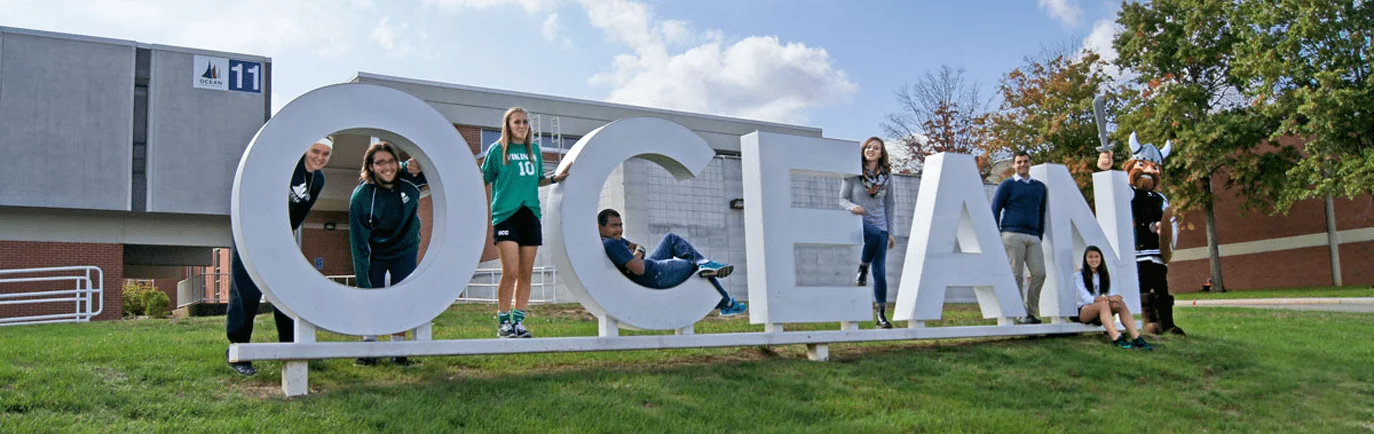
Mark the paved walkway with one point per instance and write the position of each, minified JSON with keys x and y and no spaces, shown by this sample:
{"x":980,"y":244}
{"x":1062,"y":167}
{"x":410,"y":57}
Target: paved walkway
{"x":1352,"y":304}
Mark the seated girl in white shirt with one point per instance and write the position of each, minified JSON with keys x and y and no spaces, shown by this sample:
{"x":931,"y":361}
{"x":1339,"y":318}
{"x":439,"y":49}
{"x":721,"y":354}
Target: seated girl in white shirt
{"x":1105,"y":302}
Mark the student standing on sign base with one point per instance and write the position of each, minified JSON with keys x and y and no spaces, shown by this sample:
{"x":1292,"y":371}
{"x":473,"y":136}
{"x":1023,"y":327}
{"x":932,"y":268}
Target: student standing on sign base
{"x":870,"y":195}
{"x":514,"y":168}
{"x":1019,"y":209}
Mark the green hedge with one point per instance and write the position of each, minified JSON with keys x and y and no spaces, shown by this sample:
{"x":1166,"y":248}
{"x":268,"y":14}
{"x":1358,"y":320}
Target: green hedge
{"x":145,"y":300}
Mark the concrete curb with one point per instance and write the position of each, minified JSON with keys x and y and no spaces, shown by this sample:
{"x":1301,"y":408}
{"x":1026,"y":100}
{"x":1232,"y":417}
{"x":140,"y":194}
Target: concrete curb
{"x":1275,"y":301}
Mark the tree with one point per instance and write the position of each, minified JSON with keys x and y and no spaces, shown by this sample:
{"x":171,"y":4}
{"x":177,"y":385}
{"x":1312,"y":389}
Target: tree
{"x":1185,"y":52}
{"x":1309,"y":65}
{"x":1047,"y":111}
{"x":942,"y":112}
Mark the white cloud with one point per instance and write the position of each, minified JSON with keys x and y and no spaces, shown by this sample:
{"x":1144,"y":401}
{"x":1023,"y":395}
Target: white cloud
{"x":552,"y":27}
{"x":383,"y":35}
{"x":675,"y":31}
{"x":249,"y":26}
{"x":756,"y":77}
{"x":530,"y":6}
{"x":1066,"y":11}
{"x":398,"y":40}
{"x":674,"y":66}
{"x":623,"y":21}
{"x":1100,"y":39}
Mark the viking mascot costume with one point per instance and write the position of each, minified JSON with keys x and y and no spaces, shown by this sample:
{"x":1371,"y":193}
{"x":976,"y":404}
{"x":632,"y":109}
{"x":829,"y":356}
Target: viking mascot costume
{"x":1155,"y":229}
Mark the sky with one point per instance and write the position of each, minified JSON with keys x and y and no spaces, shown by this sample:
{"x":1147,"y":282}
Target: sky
{"x":828,"y":64}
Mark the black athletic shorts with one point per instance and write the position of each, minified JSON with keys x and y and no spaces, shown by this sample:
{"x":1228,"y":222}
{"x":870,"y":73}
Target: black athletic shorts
{"x":523,"y":228}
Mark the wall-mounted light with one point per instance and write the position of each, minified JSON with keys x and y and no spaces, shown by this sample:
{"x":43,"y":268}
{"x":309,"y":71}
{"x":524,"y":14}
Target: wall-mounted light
{"x":329,"y":226}
{"x":737,"y":203}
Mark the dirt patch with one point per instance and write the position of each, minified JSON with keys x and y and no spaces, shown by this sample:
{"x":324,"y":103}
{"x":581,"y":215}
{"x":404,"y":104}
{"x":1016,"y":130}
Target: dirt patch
{"x":563,"y":311}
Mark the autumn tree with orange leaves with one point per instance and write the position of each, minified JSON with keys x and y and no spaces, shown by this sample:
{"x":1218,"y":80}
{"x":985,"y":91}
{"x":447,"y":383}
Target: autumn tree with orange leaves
{"x":1047,"y":111}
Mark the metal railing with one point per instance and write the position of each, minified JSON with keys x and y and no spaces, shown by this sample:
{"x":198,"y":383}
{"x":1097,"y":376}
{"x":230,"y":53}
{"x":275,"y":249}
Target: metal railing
{"x":546,"y":281}
{"x":203,"y":288}
{"x":344,"y":279}
{"x":87,"y":296}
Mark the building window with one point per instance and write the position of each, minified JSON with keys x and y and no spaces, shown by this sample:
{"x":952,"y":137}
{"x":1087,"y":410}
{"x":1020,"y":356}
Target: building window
{"x":546,"y":143}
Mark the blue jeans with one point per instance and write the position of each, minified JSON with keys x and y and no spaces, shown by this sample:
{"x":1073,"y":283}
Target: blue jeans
{"x":400,"y":269}
{"x":875,"y":252}
{"x":673,"y":262}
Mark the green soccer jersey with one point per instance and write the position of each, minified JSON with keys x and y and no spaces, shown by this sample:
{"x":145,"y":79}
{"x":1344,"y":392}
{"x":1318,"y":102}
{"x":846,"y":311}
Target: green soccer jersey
{"x":514,"y":184}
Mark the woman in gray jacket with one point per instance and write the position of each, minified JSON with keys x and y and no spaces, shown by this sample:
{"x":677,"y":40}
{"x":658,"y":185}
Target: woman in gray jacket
{"x":870,"y":195}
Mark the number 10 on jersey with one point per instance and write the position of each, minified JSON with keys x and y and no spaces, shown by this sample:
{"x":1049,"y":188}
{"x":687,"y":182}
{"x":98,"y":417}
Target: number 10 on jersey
{"x":526,"y":168}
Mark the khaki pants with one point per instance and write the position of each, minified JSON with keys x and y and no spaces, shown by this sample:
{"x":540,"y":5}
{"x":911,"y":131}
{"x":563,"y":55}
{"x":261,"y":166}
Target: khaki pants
{"x":1024,"y":251}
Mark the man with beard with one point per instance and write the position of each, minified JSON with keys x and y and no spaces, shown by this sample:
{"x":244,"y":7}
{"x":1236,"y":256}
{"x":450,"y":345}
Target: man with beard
{"x":1153,"y":237}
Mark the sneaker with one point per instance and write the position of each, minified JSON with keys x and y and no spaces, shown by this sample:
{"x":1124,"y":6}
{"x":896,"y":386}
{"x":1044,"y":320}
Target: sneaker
{"x":862,"y":278}
{"x":736,"y":308}
{"x":520,"y":331}
{"x":243,"y":368}
{"x":366,"y":361}
{"x":403,"y":361}
{"x":1029,"y":319}
{"x":883,"y":324}
{"x":1123,"y":343}
{"x":507,"y":330}
{"x":1139,"y":343}
{"x":714,"y":269}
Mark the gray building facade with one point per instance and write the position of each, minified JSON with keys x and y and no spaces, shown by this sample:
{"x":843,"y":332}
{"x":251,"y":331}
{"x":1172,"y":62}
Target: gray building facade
{"x":124,"y":143}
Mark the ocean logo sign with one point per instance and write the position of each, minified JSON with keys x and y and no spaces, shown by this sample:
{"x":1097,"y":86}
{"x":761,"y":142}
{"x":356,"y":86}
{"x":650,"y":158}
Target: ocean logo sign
{"x":220,"y":73}
{"x":207,"y":73}
{"x":210,"y":72}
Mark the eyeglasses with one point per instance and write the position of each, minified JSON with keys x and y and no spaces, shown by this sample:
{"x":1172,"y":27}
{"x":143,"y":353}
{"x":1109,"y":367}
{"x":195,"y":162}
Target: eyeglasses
{"x":383,"y":162}
{"x":520,"y":122}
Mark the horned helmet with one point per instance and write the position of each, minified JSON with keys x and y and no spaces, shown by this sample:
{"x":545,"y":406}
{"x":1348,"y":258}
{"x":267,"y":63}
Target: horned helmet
{"x":1146,"y":164}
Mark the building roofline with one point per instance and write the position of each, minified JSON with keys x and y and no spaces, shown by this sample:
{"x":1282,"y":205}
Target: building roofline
{"x":368,"y":75}
{"x":131,"y":43}
{"x":68,"y":36}
{"x":188,"y":50}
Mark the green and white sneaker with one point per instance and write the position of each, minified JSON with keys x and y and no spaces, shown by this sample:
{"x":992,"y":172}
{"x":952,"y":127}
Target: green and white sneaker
{"x":520,"y":331}
{"x":506,"y":330}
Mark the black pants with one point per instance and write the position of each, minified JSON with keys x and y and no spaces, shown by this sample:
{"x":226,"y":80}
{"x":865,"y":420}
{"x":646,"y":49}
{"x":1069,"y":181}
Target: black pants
{"x":244,"y":298}
{"x":1153,"y":277}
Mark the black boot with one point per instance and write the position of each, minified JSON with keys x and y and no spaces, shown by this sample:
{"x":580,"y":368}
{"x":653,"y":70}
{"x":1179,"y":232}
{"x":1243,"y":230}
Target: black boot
{"x":862,"y":279}
{"x":882,"y":323}
{"x":1164,"y":307}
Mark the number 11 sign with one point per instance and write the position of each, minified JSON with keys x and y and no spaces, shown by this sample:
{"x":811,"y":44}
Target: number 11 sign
{"x":245,"y":76}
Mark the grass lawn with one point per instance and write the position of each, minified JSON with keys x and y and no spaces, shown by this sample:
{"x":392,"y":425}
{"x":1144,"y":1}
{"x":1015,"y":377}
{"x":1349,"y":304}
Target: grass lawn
{"x":1239,"y":370}
{"x":1301,"y":292}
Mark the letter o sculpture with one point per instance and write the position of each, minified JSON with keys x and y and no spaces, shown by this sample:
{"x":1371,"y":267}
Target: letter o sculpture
{"x":576,"y":244}
{"x":260,"y":217}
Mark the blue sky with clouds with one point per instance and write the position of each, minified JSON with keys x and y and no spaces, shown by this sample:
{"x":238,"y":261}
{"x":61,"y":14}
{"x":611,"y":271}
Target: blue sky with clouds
{"x":830,"y":64}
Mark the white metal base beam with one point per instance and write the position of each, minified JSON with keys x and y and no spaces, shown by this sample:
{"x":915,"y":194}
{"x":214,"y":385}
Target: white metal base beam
{"x":472,"y":347}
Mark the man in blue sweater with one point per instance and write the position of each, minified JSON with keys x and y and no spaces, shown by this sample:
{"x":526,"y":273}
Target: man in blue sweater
{"x":1019,"y":208}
